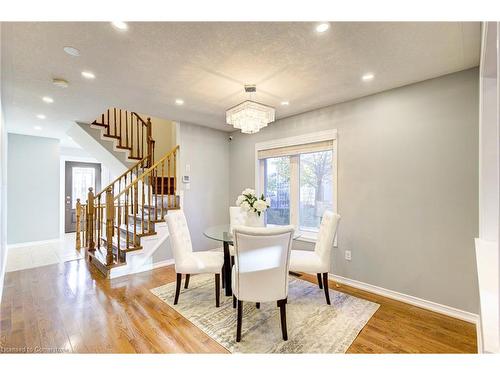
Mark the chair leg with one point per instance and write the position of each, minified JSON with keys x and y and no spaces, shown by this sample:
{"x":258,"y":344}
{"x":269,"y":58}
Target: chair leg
{"x":186,"y":283}
{"x":320,"y":284}
{"x":234,"y":302}
{"x":217,"y":289}
{"x":257,"y":305}
{"x":282,"y":305}
{"x":177,"y":288}
{"x":325,"y":287}
{"x":223,"y":277}
{"x":239,"y":321}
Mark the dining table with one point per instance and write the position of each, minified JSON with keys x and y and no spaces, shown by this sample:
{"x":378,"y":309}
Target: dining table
{"x":223,"y":233}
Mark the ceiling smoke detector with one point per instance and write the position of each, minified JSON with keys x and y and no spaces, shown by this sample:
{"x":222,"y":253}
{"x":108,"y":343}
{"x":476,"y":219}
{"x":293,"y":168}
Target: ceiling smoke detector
{"x":60,"y":82}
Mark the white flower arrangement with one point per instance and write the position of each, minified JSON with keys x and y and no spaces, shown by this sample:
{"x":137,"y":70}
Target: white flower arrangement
{"x":249,"y":201}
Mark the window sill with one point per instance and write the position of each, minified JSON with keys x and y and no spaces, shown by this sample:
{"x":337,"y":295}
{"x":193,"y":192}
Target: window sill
{"x":308,"y":237}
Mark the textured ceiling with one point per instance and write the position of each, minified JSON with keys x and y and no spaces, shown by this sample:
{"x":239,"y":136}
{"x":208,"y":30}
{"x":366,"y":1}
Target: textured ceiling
{"x":150,"y":65}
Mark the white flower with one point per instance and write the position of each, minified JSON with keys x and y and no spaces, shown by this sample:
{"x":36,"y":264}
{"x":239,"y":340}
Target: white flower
{"x":248,"y":191}
{"x":260,"y":205}
{"x":240,"y":200}
{"x":245,"y":205}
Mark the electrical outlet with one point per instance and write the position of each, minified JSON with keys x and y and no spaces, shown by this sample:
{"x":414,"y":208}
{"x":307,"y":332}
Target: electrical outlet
{"x":348,"y":255}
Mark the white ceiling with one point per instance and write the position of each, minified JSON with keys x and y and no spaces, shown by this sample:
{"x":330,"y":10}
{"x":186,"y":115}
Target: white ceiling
{"x":151,"y":64}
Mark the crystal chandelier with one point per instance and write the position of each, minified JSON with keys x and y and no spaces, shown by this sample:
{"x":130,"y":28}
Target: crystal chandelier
{"x":250,"y":116}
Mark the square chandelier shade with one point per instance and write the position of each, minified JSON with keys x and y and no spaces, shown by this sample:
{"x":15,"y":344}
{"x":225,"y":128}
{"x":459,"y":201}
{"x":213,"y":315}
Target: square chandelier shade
{"x":250,"y":116}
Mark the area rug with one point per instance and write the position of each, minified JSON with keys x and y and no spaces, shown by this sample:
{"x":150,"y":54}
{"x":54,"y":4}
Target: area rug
{"x":313,"y":326}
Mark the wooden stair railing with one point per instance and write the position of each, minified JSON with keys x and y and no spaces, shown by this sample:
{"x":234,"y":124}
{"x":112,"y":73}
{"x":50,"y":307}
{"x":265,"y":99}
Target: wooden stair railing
{"x":117,"y":218}
{"x":131,"y":131}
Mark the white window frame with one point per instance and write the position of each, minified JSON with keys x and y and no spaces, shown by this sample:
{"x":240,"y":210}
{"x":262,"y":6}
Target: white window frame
{"x":326,"y":135}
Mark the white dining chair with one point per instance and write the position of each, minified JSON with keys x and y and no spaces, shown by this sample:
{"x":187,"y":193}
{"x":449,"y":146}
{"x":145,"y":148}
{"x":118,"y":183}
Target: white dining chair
{"x":260,"y":272}
{"x":187,"y":261}
{"x":319,"y":260}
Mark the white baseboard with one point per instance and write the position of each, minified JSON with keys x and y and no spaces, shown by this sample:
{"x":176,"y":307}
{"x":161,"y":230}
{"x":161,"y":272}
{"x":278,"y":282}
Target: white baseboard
{"x":415,"y":301}
{"x":33,"y":243}
{"x":163,"y":263}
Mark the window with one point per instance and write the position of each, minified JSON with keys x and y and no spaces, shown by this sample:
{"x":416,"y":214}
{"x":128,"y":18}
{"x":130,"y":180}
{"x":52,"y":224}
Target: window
{"x":83,"y":178}
{"x":299,"y":176}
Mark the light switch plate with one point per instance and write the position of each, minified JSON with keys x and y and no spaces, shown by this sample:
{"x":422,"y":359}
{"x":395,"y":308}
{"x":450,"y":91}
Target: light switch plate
{"x":348,"y":255}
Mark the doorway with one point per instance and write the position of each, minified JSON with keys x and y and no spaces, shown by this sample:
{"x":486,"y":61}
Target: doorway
{"x":79,"y":177}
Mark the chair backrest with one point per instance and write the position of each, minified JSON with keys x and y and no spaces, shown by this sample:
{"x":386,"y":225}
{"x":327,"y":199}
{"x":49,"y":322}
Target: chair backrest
{"x":262,"y":263}
{"x":237,"y":217}
{"x":180,"y":239}
{"x":326,"y":235}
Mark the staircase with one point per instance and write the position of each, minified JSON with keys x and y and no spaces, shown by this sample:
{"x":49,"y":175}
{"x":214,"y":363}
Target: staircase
{"x":121,"y":226}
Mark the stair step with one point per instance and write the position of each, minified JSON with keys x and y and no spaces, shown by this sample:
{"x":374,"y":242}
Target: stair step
{"x":97,"y":257}
{"x":111,"y":136}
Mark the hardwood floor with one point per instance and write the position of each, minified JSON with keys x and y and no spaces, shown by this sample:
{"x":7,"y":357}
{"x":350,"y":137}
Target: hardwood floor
{"x":70,"y":307}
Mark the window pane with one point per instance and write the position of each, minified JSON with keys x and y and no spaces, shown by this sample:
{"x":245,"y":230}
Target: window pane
{"x":83,"y":178}
{"x":316,"y":188}
{"x":277,"y":187}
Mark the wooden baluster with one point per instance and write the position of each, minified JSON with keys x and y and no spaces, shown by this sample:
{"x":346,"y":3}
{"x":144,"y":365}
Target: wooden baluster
{"x":149,"y":139}
{"x":99,"y":221}
{"x":127,"y":240}
{"x":126,"y":128}
{"x":84,"y":221}
{"x":109,"y":225}
{"x":90,"y":220}
{"x":155,"y":192}
{"x":138,"y":138}
{"x":114,"y":121}
{"x":136,"y":211}
{"x":131,"y":136}
{"x":168,"y":182}
{"x":142,"y":141}
{"x":175,"y":178}
{"x":120,"y":132}
{"x":102,"y":119}
{"x":118,"y":229}
{"x":162,"y":186}
{"x":142,"y":204}
{"x":78,"y":222}
{"x":109,"y":124}
{"x":149,"y":201}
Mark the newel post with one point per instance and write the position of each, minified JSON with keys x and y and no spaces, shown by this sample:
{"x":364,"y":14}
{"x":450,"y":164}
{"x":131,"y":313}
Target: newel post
{"x":78,"y":224}
{"x":90,"y":219}
{"x":110,"y":213}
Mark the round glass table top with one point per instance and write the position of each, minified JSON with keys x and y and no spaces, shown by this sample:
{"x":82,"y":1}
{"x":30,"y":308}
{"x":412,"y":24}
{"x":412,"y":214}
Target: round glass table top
{"x":223,"y":233}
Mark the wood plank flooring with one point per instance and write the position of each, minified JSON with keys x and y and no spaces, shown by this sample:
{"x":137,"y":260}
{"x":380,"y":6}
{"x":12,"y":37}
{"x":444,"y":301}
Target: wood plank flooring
{"x":69,"y":307}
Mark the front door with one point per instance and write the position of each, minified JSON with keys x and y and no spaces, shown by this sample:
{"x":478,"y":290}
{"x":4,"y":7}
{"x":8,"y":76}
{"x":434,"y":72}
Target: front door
{"x":79,"y":177}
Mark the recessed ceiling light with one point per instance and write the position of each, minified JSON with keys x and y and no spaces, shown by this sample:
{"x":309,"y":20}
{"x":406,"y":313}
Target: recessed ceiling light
{"x":37,"y":127}
{"x":322,"y":27}
{"x":70,"y":139}
{"x":88,"y":75}
{"x":59,"y":82}
{"x":179,"y":101}
{"x":285,"y":102}
{"x":120,"y":25}
{"x":72,"y":51}
{"x":368,"y":77}
{"x":41,"y":117}
{"x":48,"y":99}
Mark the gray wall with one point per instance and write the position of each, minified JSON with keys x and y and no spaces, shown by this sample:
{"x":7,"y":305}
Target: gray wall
{"x":407,"y":185}
{"x":207,"y":202}
{"x":33,"y":189}
{"x":3,"y":183}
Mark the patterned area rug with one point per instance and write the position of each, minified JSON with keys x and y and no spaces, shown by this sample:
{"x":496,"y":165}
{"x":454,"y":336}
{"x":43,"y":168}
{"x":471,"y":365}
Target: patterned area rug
{"x":313,"y":326}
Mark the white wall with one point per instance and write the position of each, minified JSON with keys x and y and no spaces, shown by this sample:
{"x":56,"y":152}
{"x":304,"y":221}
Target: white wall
{"x":33,"y":189}
{"x":407,"y":185}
